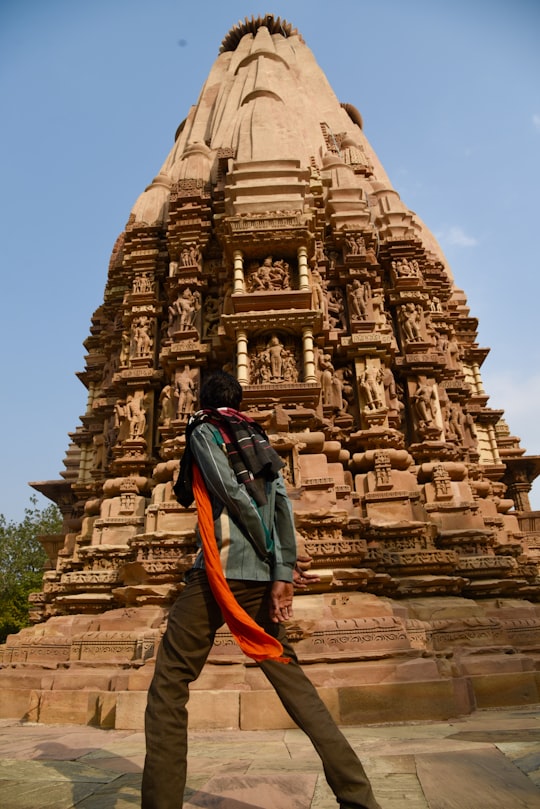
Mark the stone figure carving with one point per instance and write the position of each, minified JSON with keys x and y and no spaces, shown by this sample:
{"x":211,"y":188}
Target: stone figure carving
{"x":344,"y":378}
{"x":226,"y":293}
{"x":371,"y":254}
{"x":425,"y":405}
{"x":190,"y":255}
{"x":391,"y":399}
{"x":453,"y":424}
{"x":453,"y":350}
{"x":382,"y":470}
{"x":98,"y":450}
{"x":164,"y":333}
{"x":109,"y":369}
{"x":110,"y":435}
{"x":136,"y":416}
{"x":268,"y":276}
{"x":275,"y":349}
{"x":185,"y":393}
{"x":290,"y":367}
{"x":411,"y":322}
{"x":469,"y":429}
{"x":197,"y":310}
{"x":331,"y":384}
{"x":333,"y":257}
{"x":260,"y":373}
{"x":326,"y":372}
{"x":319,"y":298}
{"x":448,"y":345}
{"x":355,"y":245}
{"x":167,"y":409}
{"x":183,"y":311}
{"x":124,"y":414}
{"x":441,"y":482}
{"x":449,"y":433}
{"x":359,"y":298}
{"x":125,"y":348}
{"x":370,"y":385}
{"x":210,"y":315}
{"x":143,"y":283}
{"x":141,"y":343}
{"x":185,"y":257}
{"x":435,"y":305}
{"x":275,"y":363}
{"x":441,"y":341}
{"x":337,"y":316}
{"x":319,"y":255}
{"x":406,"y":268}
{"x":381,"y":316}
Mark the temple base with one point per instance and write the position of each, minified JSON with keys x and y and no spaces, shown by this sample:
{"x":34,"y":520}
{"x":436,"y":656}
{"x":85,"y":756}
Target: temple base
{"x":373,"y":660}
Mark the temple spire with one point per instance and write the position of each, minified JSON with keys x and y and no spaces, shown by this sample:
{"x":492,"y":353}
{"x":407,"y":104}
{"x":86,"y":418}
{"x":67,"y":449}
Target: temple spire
{"x":273,"y":244}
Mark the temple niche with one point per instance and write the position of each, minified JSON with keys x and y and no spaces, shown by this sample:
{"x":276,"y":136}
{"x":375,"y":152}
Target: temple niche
{"x":272,"y":244}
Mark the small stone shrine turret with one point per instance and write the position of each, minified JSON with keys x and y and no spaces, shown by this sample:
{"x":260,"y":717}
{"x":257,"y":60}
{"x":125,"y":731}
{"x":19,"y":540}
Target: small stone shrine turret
{"x":272,"y":244}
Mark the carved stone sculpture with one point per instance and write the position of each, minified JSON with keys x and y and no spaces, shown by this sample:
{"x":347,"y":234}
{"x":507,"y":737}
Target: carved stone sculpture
{"x":411,"y":322}
{"x":370,"y":384}
{"x":141,"y":343}
{"x":359,"y":297}
{"x":336,"y":309}
{"x":270,"y":275}
{"x":136,"y":416}
{"x":426,"y":407}
{"x":185,"y":392}
{"x":183,"y":311}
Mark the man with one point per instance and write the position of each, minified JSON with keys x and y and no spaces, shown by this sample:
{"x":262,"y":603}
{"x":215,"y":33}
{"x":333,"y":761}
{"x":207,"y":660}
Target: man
{"x":243,"y":505}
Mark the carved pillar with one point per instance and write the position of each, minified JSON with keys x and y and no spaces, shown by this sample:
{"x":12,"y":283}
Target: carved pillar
{"x":93,"y":393}
{"x":477,"y":378}
{"x":519,"y":492}
{"x":303,"y":272}
{"x":308,"y":355}
{"x":239,"y":283}
{"x":492,"y":438}
{"x":242,"y":360}
{"x":85,"y":463}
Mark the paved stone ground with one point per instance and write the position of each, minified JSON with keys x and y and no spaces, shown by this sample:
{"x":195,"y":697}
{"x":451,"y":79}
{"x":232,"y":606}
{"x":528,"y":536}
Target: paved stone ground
{"x":490,"y":760}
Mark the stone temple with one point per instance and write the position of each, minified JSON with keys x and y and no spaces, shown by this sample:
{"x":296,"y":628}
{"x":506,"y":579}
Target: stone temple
{"x":271,"y":243}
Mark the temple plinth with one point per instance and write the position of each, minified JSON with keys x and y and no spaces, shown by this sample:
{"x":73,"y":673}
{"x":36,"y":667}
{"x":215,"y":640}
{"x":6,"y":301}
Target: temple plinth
{"x":271,"y":243}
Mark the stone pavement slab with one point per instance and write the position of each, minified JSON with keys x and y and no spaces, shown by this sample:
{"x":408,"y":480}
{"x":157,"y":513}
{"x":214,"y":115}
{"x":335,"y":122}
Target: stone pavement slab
{"x":294,"y":791}
{"x":489,"y":760}
{"x":477,"y":779}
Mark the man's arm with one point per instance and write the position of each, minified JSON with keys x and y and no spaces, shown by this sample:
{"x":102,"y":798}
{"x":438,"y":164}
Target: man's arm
{"x":284,"y":534}
{"x":222,"y":483}
{"x":281,"y":596}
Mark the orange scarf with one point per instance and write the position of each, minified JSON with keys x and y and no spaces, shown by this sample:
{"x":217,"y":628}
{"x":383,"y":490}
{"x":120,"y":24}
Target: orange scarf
{"x":252,"y":638}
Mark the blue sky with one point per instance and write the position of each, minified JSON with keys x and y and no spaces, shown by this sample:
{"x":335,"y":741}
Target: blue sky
{"x":91,"y":95}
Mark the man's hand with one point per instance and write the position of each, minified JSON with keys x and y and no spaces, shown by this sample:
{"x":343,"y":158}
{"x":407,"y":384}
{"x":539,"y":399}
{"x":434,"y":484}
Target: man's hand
{"x":281,"y":598}
{"x":301,"y":579}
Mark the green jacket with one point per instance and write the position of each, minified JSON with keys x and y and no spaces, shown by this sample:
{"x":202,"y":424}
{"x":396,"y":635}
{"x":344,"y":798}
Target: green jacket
{"x":256,"y":543}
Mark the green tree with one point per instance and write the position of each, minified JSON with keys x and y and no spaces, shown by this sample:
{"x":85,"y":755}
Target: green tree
{"x":22,"y":560}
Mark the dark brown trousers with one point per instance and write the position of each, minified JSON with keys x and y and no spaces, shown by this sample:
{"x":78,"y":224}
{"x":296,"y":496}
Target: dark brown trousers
{"x":193,"y":621}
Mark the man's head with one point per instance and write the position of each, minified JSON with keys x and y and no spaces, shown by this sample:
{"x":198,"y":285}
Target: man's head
{"x":220,"y":389}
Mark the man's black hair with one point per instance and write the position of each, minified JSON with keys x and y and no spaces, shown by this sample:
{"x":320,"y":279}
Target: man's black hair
{"x":220,"y":389}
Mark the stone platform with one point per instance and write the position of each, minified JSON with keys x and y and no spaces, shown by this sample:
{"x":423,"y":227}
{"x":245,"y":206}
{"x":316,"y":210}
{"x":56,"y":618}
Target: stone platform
{"x":487,"y":760}
{"x":371,"y":659}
